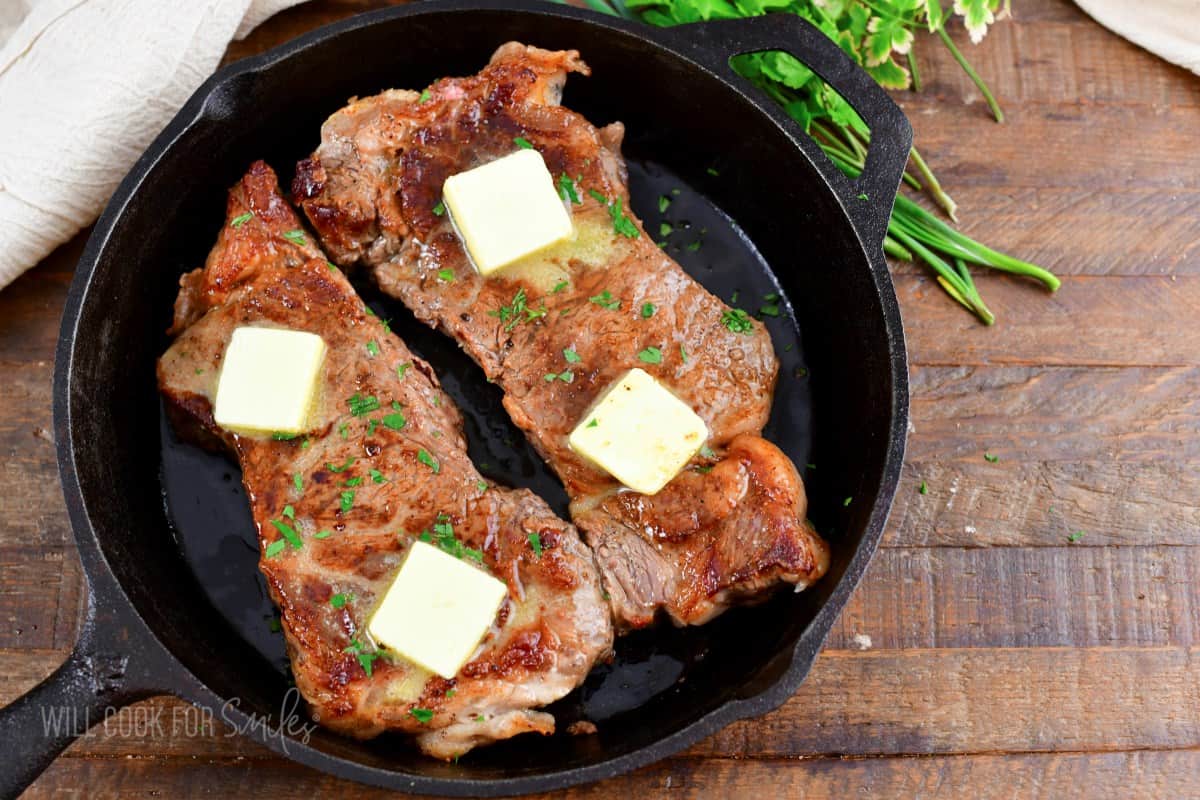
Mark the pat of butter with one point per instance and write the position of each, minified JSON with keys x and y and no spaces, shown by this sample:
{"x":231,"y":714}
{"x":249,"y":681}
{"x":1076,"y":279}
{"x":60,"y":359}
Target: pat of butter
{"x":437,"y":610}
{"x":268,"y":380}
{"x":639,"y":432}
{"x":506,"y":209}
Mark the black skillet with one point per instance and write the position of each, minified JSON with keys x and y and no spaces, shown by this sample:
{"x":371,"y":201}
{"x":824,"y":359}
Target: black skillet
{"x":174,"y":600}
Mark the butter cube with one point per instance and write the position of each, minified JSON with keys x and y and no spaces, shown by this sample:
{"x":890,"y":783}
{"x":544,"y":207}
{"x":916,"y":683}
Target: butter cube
{"x":639,"y":432}
{"x":506,"y":209}
{"x":268,"y":380}
{"x":437,"y":610}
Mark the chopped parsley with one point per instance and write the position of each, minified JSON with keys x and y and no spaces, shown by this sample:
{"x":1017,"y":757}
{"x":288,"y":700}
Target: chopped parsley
{"x":373,"y":348}
{"x":566,"y":376}
{"x":280,"y":436}
{"x":595,"y":421}
{"x":347,"y":501}
{"x":991,"y":459}
{"x":566,"y":189}
{"x":481,"y":485}
{"x":428,"y":460}
{"x":421,"y":715}
{"x":648,"y":310}
{"x":395,"y":421}
{"x":694,"y":246}
{"x":769,"y":310}
{"x":322,"y":534}
{"x":298,"y":482}
{"x":1075,"y":537}
{"x":443,"y":537}
{"x":535,"y":541}
{"x":199,"y":371}
{"x":366,"y":658}
{"x":707,"y":452}
{"x":558,"y":287}
{"x":340,"y":599}
{"x":275,"y":548}
{"x":479,"y":718}
{"x":665,"y":229}
{"x":344,"y":430}
{"x":599,"y":198}
{"x":663,"y":202}
{"x":847,"y":501}
{"x":347,"y":464}
{"x":446,"y":275}
{"x":451,"y":692}
{"x":288,"y":532}
{"x":605,"y":300}
{"x":863,"y":196}
{"x":403,"y":368}
{"x":571,"y":356}
{"x":289,"y":512}
{"x":440,"y":209}
{"x":377,"y":476}
{"x":522,"y":142}
{"x":737,"y":321}
{"x":241,"y":219}
{"x":371,"y":425}
{"x":332,"y":267}
{"x":517,"y":311}
{"x":424,"y":96}
{"x":352,"y":481}
{"x":621,"y":223}
{"x":712,"y":171}
{"x":360,"y":405}
{"x":683,"y":354}
{"x":651,"y":355}
{"x":923,"y":489}
{"x":296,"y":237}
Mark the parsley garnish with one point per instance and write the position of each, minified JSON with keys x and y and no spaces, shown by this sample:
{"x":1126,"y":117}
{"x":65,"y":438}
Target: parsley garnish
{"x":289,"y":512}
{"x":479,"y":718}
{"x":280,"y":436}
{"x":694,"y":246}
{"x":737,"y":321}
{"x":377,"y":476}
{"x":395,"y":421}
{"x":446,"y":275}
{"x":769,"y":310}
{"x":288,"y":532}
{"x":665,"y":229}
{"x":366,"y":658}
{"x":648,"y":310}
{"x":712,"y":171}
{"x":923,"y":489}
{"x":599,"y":198}
{"x":481,"y":485}
{"x":296,"y":237}
{"x":517,"y":311}
{"x":847,"y":501}
{"x":349,"y":462}
{"x":683,"y":354}
{"x":371,"y":425}
{"x":522,"y":142}
{"x":651,"y":355}
{"x":443,"y":537}
{"x":621,"y":223}
{"x":535,"y":542}
{"x":566,"y":376}
{"x":275,"y":548}
{"x":347,"y":501}
{"x":707,"y":452}
{"x":241,"y":219}
{"x":991,"y":459}
{"x":344,"y":430}
{"x":428,"y":460}
{"x":595,"y":421}
{"x":352,"y":481}
{"x":322,"y":534}
{"x":424,"y":96}
{"x":663,"y":202}
{"x":439,"y":209}
{"x":421,"y":715}
{"x":298,"y":482}
{"x":372,"y":348}
{"x":1075,"y":537}
{"x":605,"y":300}
{"x":340,"y":599}
{"x":558,"y":287}
{"x":360,"y":405}
{"x":571,"y":356}
{"x":566,"y":189}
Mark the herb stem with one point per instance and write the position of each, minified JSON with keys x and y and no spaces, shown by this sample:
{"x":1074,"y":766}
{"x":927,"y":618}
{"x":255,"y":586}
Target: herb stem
{"x":972,"y":74}
{"x":933,"y":186}
{"x":916,"y":73}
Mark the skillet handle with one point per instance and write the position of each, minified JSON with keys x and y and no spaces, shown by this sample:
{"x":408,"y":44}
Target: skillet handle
{"x":715,"y":42}
{"x":90,"y":685}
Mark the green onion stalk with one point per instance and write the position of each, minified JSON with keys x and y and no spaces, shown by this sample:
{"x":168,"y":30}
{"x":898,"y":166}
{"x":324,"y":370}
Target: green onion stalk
{"x":914,"y":234}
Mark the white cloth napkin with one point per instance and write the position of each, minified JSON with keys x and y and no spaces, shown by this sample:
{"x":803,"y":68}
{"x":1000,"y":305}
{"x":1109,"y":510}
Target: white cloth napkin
{"x":1168,"y":28}
{"x":85,"y":85}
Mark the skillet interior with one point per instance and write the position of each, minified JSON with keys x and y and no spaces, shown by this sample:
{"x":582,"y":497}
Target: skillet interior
{"x":684,"y":121}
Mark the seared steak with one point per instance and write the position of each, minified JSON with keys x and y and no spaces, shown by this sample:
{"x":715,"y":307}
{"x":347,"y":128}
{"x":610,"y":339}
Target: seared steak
{"x":385,"y":461}
{"x":727,"y":529}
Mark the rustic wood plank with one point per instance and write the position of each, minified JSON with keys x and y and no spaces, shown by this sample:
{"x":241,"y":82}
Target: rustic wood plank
{"x":1037,"y":597}
{"x":1151,"y":775}
{"x":1041,"y":503}
{"x":39,"y":596}
{"x":905,"y":702}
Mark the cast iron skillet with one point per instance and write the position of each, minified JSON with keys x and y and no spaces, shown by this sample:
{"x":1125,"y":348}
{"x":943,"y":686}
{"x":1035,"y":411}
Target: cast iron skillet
{"x":165,"y":538}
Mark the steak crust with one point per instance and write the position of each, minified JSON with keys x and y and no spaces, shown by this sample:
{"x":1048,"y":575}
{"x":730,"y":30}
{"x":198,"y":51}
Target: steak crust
{"x":727,"y":529}
{"x":358,"y":491}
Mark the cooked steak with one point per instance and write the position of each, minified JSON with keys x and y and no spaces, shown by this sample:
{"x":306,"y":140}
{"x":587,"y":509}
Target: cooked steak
{"x":727,"y":529}
{"x":373,"y":474}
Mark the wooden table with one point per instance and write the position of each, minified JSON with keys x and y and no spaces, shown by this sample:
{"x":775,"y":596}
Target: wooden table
{"x":984,"y":654}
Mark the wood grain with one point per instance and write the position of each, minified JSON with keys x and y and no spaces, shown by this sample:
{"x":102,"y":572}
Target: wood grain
{"x":984,"y":655}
